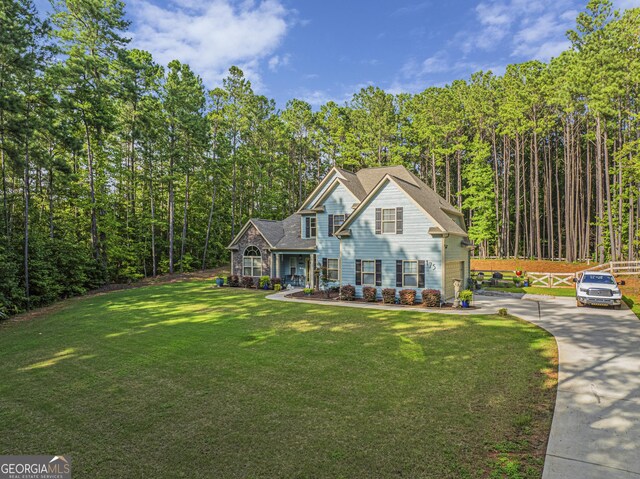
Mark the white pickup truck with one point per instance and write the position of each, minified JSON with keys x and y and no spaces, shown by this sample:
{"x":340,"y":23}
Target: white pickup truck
{"x":598,"y":289}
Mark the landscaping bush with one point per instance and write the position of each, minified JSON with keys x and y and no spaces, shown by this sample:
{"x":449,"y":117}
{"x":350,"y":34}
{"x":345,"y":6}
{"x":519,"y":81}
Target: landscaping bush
{"x":503,"y":312}
{"x":308,"y":291}
{"x":247,"y":282}
{"x":466,"y":295}
{"x":369,"y":293}
{"x":348,"y":293}
{"x":233,"y":281}
{"x":275,"y":281}
{"x":264,"y":280}
{"x":389,"y":295}
{"x":431,"y":298}
{"x":407,"y":296}
{"x":277,"y":287}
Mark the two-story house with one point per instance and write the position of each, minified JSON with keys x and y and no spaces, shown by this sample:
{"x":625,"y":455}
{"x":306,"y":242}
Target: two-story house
{"x":380,"y":227}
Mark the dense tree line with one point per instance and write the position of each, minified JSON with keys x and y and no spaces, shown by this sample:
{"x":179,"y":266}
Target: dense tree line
{"x":115,"y":168}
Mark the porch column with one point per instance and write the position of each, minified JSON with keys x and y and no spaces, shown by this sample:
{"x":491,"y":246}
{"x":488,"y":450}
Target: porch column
{"x":278,"y":255}
{"x":312,"y":268}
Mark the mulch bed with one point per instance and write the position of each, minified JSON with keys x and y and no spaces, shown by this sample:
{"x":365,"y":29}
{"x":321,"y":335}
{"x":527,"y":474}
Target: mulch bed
{"x":320,"y":296}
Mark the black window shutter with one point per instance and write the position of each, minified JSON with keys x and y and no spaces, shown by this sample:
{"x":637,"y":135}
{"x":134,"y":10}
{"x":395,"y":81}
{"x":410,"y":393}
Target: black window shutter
{"x":324,"y":267}
{"x":399,"y":273}
{"x":378,"y":272}
{"x":330,"y":225}
{"x":307,"y":227}
{"x":421,"y":274}
{"x":358,"y":272}
{"x":399,"y":221}
{"x":378,"y":221}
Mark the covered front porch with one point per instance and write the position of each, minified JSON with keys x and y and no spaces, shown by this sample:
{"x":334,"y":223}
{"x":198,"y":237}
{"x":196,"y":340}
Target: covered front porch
{"x":295,"y":268}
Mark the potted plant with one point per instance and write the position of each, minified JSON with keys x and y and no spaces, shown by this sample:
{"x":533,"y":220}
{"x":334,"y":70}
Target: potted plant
{"x":264,"y":282}
{"x":219,"y":281}
{"x":465,"y":297}
{"x":526,"y":282}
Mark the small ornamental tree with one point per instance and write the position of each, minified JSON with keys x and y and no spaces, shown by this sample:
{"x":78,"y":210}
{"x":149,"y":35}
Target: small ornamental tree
{"x":323,"y":276}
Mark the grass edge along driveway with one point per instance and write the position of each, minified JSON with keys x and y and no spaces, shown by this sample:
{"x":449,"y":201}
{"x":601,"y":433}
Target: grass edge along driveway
{"x":181,"y":380}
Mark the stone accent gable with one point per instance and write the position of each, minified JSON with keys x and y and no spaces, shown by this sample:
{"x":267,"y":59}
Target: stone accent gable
{"x":251,"y":237}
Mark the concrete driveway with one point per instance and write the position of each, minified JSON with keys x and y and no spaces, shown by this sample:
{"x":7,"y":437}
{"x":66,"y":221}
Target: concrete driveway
{"x":595,"y":432}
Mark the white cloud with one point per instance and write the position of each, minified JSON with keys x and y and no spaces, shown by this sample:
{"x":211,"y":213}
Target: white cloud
{"x":526,"y":29}
{"x":277,"y":61}
{"x":212,"y":36}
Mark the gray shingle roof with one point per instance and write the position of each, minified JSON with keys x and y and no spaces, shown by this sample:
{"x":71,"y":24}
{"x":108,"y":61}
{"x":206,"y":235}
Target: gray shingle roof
{"x":292,"y":238}
{"x":365,"y":180}
{"x":287,"y":234}
{"x":271,"y":230}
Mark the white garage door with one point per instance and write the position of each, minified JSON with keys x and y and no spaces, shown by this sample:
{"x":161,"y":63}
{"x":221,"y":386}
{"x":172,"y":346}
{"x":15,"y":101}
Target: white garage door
{"x":453,"y":270}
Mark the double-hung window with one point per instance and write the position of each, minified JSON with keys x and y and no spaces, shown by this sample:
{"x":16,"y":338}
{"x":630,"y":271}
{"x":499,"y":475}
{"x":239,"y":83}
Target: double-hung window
{"x":368,"y":273}
{"x":338,"y":221}
{"x":389,"y":220}
{"x":410,"y":274}
{"x":332,"y":269}
{"x":310,"y":227}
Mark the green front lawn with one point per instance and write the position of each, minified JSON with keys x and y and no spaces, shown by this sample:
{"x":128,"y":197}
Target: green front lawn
{"x":182,"y":380}
{"x":568,"y":292}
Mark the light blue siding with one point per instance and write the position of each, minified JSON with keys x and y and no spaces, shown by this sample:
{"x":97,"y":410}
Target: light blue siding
{"x":340,"y":202}
{"x":321,"y":191}
{"x":414,"y":244}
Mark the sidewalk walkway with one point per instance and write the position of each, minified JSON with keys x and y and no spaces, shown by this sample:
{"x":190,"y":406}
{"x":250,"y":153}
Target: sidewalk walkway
{"x":595,"y":432}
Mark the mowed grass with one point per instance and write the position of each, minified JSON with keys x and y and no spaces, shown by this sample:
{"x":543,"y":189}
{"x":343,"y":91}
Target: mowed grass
{"x":566,"y":292}
{"x":182,"y":380}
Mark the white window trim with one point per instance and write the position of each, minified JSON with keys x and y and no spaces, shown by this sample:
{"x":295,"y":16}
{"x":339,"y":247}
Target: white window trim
{"x":336,"y":227}
{"x":416,"y":274}
{"x":336,"y":269}
{"x":383,"y":221}
{"x":313,"y":229}
{"x":362,"y":273}
{"x":252,"y":267}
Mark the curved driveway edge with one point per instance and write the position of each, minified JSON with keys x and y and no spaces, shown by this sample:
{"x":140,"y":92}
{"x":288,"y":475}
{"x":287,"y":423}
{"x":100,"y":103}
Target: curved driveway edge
{"x":595,"y":433}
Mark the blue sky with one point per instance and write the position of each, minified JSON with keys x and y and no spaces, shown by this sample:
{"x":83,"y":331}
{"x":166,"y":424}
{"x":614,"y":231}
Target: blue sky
{"x":320,"y":50}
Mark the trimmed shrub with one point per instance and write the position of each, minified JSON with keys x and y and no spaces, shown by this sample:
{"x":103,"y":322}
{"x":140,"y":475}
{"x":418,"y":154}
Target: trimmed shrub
{"x":348,"y":293}
{"x":308,"y":291}
{"x":369,"y":293}
{"x":247,"y":282}
{"x":407,"y":296}
{"x":277,"y":287}
{"x":389,"y":295}
{"x":233,"y":281}
{"x":431,"y":298}
{"x":275,"y":281}
{"x":503,"y":312}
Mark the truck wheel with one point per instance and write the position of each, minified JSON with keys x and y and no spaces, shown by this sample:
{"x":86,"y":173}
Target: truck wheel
{"x":617,"y":306}
{"x":579,"y":303}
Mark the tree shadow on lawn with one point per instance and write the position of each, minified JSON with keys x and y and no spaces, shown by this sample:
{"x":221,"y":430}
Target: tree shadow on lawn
{"x":252,"y":387}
